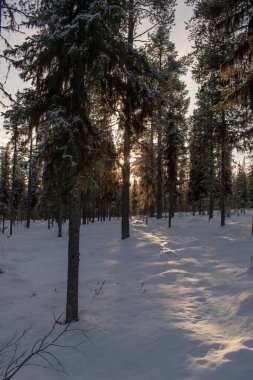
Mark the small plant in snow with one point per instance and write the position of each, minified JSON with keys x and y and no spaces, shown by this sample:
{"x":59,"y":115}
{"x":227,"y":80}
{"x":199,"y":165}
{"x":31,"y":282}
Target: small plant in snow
{"x":14,"y":357}
{"x":142,"y":288}
{"x":99,"y":289}
{"x":250,"y":266}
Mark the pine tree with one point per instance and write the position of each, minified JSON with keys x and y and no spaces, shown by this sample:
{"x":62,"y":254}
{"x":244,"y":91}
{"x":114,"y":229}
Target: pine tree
{"x":81,"y":55}
{"x":162,"y":13}
{"x":240,"y":188}
{"x":168,"y":119}
{"x":76,"y":54}
{"x":235,"y":23}
{"x":209,"y":53}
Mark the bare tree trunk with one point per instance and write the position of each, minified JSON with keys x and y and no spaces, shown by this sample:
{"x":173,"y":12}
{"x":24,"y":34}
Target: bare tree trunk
{"x":84,"y":207}
{"x":125,"y":186}
{"x":171,"y":190}
{"x":125,"y":233}
{"x":13,"y":178}
{"x":159,"y":202}
{"x":211,"y":173}
{"x":60,"y":219}
{"x":223,"y":170}
{"x":73,"y":258}
{"x":29,"y":190}
{"x":104,"y":210}
{"x":159,"y":176}
{"x":171,"y":156}
{"x":152,"y":163}
{"x":78,"y":109}
{"x":93,"y":210}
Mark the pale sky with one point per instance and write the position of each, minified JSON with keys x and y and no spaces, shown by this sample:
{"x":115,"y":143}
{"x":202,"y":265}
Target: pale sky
{"x":183,"y":45}
{"x":178,"y":36}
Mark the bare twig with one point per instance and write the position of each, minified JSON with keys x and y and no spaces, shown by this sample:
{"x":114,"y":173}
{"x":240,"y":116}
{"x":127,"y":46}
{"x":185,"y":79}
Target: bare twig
{"x":42,"y":348}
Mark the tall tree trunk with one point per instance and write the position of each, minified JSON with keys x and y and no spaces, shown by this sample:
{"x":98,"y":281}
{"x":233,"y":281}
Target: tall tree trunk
{"x":152,"y":164}
{"x":60,"y":219}
{"x":211,"y":173}
{"x":172,"y":176}
{"x":84,"y":207}
{"x":125,"y":185}
{"x":93,"y":209}
{"x":13,"y":178}
{"x":29,"y":190}
{"x":73,"y":258}
{"x":159,"y":202}
{"x":125,"y":233}
{"x":104,"y":210}
{"x":171,"y":190}
{"x":223,"y":170}
{"x":159,"y":175}
{"x":79,"y":110}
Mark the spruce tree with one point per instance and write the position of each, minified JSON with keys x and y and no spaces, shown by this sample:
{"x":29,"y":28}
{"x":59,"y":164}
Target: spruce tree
{"x":169,"y":117}
{"x":209,"y":53}
{"x":74,"y":53}
{"x":157,"y":12}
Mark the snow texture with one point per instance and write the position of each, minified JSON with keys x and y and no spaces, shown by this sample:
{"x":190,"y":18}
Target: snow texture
{"x":164,"y":304}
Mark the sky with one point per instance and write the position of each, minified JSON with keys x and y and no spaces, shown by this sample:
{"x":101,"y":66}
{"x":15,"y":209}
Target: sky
{"x":178,"y":36}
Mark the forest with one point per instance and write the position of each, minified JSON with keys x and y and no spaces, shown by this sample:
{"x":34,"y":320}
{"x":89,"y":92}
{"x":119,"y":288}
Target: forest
{"x":101,"y":130}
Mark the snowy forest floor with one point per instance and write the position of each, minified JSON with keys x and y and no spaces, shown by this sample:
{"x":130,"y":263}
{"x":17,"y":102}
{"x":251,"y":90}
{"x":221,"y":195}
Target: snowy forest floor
{"x":165,"y":304}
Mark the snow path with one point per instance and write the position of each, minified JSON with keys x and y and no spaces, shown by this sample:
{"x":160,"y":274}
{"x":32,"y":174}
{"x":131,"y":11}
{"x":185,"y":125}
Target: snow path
{"x":166,"y":304}
{"x":207,"y":300}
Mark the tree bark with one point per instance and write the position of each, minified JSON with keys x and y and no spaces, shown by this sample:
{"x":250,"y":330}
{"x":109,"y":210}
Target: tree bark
{"x":125,"y":233}
{"x":84,"y":207}
{"x":159,"y":176}
{"x":13,"y":178}
{"x":152,"y":164}
{"x":60,"y":219}
{"x":170,"y":202}
{"x":73,"y":258}
{"x":223,"y":170}
{"x":211,"y":173}
{"x":159,"y":203}
{"x":29,"y":190}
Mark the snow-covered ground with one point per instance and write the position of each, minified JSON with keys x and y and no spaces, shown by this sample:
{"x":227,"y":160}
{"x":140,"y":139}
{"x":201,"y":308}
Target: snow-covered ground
{"x":165,"y":304}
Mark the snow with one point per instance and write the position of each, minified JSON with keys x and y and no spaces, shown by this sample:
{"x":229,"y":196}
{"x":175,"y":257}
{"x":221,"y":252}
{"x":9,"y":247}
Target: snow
{"x":164,"y":304}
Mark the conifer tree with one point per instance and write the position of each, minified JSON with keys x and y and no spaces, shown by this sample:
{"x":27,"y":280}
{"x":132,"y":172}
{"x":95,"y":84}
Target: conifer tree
{"x":209,"y":53}
{"x":168,"y":119}
{"x":157,"y":12}
{"x":75,"y":49}
{"x":80,"y":52}
{"x":240,"y":189}
{"x":234,"y":22}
